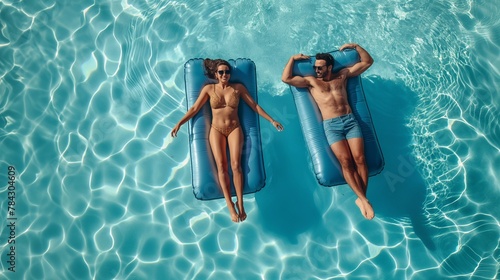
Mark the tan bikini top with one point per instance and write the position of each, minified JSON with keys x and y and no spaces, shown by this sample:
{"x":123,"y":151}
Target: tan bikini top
{"x":217,"y":102}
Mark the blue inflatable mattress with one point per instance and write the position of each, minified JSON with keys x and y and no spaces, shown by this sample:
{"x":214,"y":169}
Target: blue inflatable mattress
{"x":325,"y":164}
{"x":203,"y":169}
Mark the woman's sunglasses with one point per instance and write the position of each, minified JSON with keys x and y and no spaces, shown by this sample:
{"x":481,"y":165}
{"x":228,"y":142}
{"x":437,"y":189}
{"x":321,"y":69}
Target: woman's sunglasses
{"x":222,"y":72}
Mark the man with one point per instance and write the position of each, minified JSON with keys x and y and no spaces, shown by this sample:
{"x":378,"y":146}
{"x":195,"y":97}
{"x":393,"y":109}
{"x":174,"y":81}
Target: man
{"x":341,"y":128}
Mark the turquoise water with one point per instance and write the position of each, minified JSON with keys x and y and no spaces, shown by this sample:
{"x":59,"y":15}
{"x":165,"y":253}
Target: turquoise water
{"x":91,"y":89}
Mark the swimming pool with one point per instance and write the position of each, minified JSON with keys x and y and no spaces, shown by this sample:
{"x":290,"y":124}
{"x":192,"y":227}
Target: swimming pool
{"x":91,"y":89}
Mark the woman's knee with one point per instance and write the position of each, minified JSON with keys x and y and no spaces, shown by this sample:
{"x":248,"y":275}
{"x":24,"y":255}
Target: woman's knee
{"x":235,"y":166}
{"x":221,"y":166}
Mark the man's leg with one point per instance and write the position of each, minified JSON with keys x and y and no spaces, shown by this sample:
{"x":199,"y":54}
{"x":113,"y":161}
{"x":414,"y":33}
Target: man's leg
{"x":356,"y":145}
{"x":343,"y":153}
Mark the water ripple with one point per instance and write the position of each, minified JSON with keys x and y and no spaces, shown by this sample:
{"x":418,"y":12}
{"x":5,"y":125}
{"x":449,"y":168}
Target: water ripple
{"x":91,"y":90}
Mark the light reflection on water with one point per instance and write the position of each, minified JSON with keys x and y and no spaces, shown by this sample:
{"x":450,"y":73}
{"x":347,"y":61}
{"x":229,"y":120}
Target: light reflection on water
{"x":90,"y":92}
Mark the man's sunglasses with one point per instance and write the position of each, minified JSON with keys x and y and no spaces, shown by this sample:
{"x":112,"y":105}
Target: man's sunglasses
{"x":318,"y":67}
{"x":222,"y":72}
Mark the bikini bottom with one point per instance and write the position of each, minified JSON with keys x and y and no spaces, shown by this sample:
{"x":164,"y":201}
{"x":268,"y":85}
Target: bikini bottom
{"x":226,"y":130}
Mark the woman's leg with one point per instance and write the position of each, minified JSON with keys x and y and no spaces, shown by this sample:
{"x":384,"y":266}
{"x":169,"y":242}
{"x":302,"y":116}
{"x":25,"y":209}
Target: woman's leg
{"x":218,"y":143}
{"x":235,"y":141}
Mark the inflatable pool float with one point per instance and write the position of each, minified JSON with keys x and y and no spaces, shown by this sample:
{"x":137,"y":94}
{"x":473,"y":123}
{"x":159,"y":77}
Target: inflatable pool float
{"x":203,"y":169}
{"x":324,"y":163}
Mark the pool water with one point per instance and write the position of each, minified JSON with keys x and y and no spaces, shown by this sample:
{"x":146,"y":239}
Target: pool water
{"x":95,"y":188}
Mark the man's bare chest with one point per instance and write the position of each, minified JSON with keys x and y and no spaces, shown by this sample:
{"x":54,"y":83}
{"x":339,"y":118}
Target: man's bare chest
{"x":334,"y":86}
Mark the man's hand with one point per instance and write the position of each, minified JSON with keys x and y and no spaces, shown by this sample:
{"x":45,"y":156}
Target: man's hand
{"x":365,"y":60}
{"x":348,"y":46}
{"x":288,"y":77}
{"x":300,"y":57}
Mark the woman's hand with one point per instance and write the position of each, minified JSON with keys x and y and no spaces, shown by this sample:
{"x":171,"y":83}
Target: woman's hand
{"x":174,"y":130}
{"x":278,"y":126}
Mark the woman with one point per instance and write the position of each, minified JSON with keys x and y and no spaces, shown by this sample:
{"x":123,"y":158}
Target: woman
{"x":225,"y":130}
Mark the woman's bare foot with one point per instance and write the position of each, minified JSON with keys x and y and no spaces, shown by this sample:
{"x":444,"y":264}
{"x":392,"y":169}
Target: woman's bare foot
{"x":234,"y":216}
{"x":366,"y":208}
{"x":243,"y":215}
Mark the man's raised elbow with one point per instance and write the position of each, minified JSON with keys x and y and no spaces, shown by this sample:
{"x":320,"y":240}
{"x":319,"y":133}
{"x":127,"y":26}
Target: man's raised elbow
{"x":370,"y":61}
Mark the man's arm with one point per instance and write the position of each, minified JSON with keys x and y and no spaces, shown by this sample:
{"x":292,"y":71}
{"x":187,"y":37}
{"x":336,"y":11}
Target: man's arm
{"x":360,"y":67}
{"x":287,"y":76}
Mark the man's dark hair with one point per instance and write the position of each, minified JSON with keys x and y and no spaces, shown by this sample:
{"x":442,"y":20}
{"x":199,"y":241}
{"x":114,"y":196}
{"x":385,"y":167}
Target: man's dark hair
{"x":326,"y":57}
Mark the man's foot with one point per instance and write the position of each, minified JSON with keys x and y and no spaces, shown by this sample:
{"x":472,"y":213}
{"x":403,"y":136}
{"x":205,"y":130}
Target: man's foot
{"x":232,"y":212}
{"x":366,"y":208}
{"x":243,"y":215}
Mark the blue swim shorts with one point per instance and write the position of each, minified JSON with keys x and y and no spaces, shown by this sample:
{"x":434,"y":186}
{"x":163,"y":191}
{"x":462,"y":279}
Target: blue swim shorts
{"x":340,"y":128}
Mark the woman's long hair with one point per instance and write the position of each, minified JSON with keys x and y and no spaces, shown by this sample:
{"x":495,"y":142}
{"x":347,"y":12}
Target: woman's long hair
{"x":211,"y":66}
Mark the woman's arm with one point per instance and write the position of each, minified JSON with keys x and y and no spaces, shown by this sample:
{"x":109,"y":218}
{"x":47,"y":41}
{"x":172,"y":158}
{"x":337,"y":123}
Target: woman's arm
{"x":191,"y":112}
{"x":256,"y":107}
